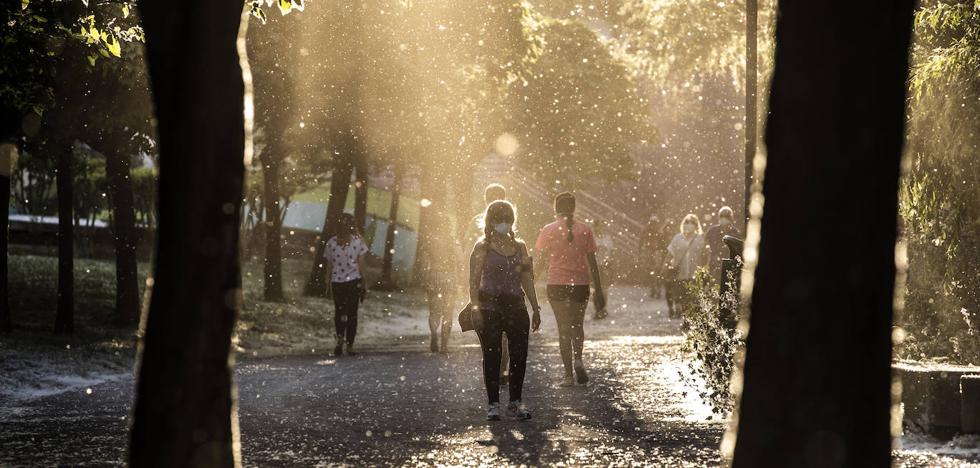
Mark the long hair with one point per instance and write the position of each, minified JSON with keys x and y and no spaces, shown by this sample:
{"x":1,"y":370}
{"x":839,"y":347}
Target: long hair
{"x":500,"y":211}
{"x":565,"y":206}
{"x":347,"y":227}
{"x":692,"y":218}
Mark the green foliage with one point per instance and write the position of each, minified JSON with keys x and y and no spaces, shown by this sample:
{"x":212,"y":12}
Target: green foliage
{"x":712,"y":339}
{"x":940,"y":198}
{"x":578,"y":113}
{"x":34,"y":283}
{"x":680,"y":41}
{"x":35,"y":38}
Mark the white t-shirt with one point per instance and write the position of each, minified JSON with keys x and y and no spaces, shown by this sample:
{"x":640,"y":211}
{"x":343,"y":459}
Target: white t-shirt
{"x":344,"y":259}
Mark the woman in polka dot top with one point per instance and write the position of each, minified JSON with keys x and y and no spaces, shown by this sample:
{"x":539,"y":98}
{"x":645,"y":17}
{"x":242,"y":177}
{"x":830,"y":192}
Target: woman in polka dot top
{"x":345,"y":261}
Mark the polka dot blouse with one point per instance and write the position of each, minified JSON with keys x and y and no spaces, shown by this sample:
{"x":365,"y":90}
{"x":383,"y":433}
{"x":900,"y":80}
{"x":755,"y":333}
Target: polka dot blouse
{"x":344,"y":259}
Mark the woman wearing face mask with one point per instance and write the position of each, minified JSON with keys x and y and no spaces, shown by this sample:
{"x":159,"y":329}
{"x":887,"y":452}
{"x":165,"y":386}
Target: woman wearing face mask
{"x":570,"y":247}
{"x":500,"y":277}
{"x":687,"y":253}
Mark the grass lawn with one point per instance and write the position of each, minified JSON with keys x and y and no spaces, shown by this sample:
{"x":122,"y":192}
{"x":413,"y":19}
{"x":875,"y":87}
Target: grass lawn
{"x":298,"y":325}
{"x":379,"y":203}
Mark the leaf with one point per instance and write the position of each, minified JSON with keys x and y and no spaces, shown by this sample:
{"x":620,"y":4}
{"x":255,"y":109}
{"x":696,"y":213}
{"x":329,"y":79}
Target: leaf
{"x":125,"y":10}
{"x":114,"y":47}
{"x":285,"y":6}
{"x":24,"y":4}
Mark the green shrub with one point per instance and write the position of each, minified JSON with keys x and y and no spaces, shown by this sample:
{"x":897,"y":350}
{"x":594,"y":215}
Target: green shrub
{"x":712,"y":339}
{"x":940,"y":194}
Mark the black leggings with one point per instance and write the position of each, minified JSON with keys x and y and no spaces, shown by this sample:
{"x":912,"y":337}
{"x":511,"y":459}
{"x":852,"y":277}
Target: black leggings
{"x":513,"y":321}
{"x":346,"y":298}
{"x":569,"y":303}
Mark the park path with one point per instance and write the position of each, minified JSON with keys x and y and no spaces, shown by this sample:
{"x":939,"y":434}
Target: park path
{"x":401,"y":405}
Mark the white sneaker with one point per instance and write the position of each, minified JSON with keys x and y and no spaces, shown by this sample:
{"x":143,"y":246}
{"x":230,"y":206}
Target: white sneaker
{"x":568,"y":381}
{"x":493,"y":413}
{"x":517,"y":410}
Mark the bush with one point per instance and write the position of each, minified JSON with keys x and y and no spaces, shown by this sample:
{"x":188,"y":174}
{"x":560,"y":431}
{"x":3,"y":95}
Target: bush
{"x":940,"y":194}
{"x":713,"y":340}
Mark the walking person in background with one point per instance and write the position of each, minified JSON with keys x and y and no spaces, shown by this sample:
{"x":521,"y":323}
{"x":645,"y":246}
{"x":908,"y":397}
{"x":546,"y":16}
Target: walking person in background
{"x":501,"y":275}
{"x":345,"y":261}
{"x":687,"y":253}
{"x":714,"y":240}
{"x":440,"y":284}
{"x":570,"y":246}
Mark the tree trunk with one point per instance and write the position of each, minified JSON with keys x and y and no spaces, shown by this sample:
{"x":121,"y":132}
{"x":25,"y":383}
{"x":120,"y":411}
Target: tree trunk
{"x":64,"y":321}
{"x":8,"y":153}
{"x":339,"y":187}
{"x":124,"y":233}
{"x":184,"y":413}
{"x":429,"y":203}
{"x":272,"y":270}
{"x":817,"y":383}
{"x":387,"y":266}
{"x":360,"y":189}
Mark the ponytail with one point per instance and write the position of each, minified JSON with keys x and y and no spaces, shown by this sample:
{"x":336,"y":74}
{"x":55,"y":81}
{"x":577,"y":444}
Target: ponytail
{"x":565,"y":206}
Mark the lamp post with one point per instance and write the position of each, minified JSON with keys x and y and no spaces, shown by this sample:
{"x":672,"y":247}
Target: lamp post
{"x":751,"y":74}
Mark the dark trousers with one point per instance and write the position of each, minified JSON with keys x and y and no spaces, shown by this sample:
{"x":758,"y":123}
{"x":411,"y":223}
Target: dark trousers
{"x":346,"y":298}
{"x":569,"y":303}
{"x":513,"y":321}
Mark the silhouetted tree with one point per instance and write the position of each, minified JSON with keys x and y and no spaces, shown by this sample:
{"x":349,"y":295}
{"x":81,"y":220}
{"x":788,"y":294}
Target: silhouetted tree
{"x":817,"y":377}
{"x":184,"y":408}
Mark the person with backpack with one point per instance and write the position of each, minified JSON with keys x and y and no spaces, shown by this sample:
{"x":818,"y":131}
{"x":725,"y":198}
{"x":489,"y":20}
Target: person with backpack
{"x":687,"y":254}
{"x":501,"y":277}
{"x":569,"y":246}
{"x":344,"y":255}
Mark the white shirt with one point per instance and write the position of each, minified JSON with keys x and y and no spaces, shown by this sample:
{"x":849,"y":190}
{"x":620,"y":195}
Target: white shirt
{"x":344,"y":259}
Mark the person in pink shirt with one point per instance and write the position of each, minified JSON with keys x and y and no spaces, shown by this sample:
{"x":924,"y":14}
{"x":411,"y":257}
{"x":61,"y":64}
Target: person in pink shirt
{"x":569,"y":246}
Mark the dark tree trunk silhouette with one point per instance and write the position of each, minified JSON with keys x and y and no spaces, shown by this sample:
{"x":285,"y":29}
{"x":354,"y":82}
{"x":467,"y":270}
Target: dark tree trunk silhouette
{"x":360,"y":189}
{"x":7,"y":154}
{"x":387,"y":281}
{"x":429,"y":203}
{"x":272,"y":267}
{"x":817,"y":385}
{"x":184,"y":413}
{"x":339,"y":187}
{"x":123,"y":231}
{"x":64,"y":321}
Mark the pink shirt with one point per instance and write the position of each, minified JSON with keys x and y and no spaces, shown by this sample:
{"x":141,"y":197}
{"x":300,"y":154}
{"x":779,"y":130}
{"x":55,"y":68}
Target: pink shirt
{"x":567,"y":261}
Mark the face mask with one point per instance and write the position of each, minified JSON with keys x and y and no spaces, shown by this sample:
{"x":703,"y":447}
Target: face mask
{"x":688,"y":228}
{"x":502,"y":228}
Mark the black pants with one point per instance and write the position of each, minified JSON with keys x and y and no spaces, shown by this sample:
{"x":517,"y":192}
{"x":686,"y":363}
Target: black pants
{"x":513,"y":321}
{"x":346,"y":298}
{"x":569,"y":303}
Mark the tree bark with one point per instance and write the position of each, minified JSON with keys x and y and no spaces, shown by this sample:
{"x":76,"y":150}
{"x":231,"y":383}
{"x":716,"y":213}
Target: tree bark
{"x":817,"y":384}
{"x":339,"y":188}
{"x":272,"y":267}
{"x":387,"y":266}
{"x":360,"y":189}
{"x":64,"y":321}
{"x":185,"y":410}
{"x":428,"y":188}
{"x":7,"y":155}
{"x":124,"y":232}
